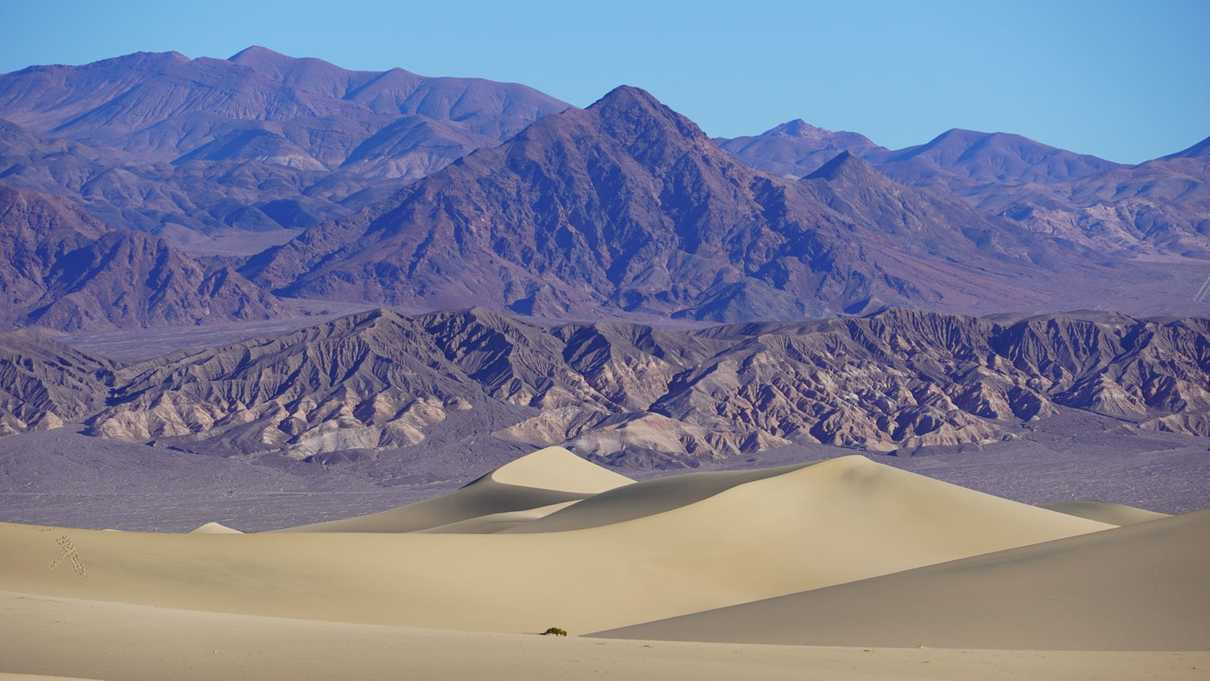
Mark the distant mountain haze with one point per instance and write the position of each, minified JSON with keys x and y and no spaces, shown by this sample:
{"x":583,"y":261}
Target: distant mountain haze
{"x":1161,"y":207}
{"x":214,"y":144}
{"x":796,"y":148}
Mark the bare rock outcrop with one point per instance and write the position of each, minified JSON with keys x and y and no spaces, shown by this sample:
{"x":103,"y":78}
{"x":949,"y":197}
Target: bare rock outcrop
{"x":896,"y":380}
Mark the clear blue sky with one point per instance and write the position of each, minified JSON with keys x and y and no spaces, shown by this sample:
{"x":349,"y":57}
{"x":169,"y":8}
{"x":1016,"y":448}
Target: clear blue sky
{"x":1124,"y":80}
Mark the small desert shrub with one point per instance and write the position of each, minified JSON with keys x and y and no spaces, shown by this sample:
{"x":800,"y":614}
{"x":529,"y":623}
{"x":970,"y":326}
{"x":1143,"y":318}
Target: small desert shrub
{"x":555,"y":631}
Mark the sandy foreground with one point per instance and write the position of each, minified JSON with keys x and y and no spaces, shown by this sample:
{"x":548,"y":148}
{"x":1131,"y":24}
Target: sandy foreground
{"x":456,"y":587}
{"x":829,"y":523}
{"x":1143,"y":586}
{"x":115,"y":641}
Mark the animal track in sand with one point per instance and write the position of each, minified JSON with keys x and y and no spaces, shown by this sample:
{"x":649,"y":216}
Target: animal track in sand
{"x":70,"y":553}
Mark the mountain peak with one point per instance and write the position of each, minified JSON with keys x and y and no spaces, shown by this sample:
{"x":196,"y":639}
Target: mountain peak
{"x":627,"y":111}
{"x":799,"y":128}
{"x":627,"y":96}
{"x":960,"y":136}
{"x":843,"y":166}
{"x":263,"y":60}
{"x":255,"y":53}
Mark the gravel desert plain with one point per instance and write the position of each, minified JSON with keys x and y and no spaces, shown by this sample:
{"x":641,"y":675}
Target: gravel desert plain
{"x":314,"y":373}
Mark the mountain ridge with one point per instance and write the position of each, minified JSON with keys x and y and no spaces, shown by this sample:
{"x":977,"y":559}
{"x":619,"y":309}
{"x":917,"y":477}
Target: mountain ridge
{"x":63,"y":269}
{"x":208,"y":143}
{"x":632,"y":197}
{"x":1155,"y":208}
{"x":639,"y":395}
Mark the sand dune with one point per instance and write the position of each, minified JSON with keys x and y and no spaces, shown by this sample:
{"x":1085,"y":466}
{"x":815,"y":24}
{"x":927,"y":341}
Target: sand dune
{"x":500,"y":522}
{"x":548,"y":476}
{"x":1105,"y":512}
{"x":1141,"y":587}
{"x":214,"y":528}
{"x":832,"y":522}
{"x":120,"y":642}
{"x":647,"y":498}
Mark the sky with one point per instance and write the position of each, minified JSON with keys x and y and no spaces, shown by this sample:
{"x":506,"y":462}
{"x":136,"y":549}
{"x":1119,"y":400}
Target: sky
{"x":1126,"y":81}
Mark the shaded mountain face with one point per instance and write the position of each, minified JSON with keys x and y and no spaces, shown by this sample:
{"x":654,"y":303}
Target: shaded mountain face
{"x":44,"y":384}
{"x":1158,"y":207}
{"x":61,"y":268}
{"x":628,"y":206}
{"x":157,"y":140}
{"x":851,"y":186}
{"x":639,"y":395}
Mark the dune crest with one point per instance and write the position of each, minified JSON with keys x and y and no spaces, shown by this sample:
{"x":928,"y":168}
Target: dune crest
{"x":500,"y":522}
{"x":647,"y":498}
{"x":557,"y":468}
{"x":1106,"y":512}
{"x":214,"y":528}
{"x":552,"y":475}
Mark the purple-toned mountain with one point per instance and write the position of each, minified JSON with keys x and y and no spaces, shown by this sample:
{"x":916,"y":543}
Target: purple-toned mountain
{"x":162,"y":105}
{"x":259,"y":141}
{"x":628,"y":206}
{"x":61,"y":268}
{"x":1201,"y":150}
{"x":796,"y":148}
{"x":1160,"y":207}
{"x":641,"y":395}
{"x":957,"y":159}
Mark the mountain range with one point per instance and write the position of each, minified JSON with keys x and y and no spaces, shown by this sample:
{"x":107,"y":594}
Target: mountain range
{"x":189,"y":190}
{"x":61,"y":268}
{"x":259,"y":141}
{"x":1157,"y":208}
{"x":628,"y":206}
{"x":627,"y":394}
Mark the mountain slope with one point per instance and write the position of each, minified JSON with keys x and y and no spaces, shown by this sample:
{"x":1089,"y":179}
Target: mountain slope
{"x":851,"y":186}
{"x":629,"y":206}
{"x":44,"y":384}
{"x":153,"y":141}
{"x":961,"y":158}
{"x":63,"y":269}
{"x":1160,"y":207}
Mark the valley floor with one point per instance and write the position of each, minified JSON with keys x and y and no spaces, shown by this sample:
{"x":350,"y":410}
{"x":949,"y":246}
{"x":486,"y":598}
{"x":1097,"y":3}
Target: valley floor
{"x":63,"y":478}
